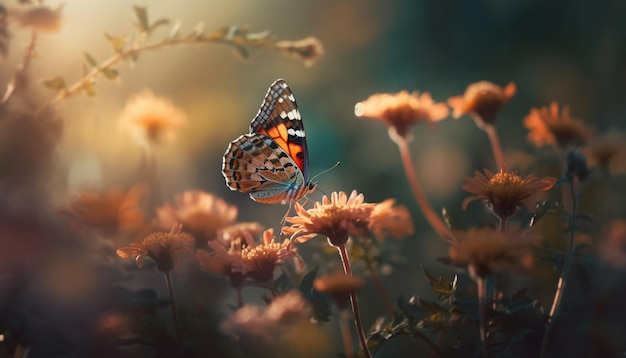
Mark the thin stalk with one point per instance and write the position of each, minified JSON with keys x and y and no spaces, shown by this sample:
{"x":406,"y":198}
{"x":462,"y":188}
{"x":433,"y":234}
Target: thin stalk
{"x":345,"y":335}
{"x":495,"y":146}
{"x":170,"y":291}
{"x":482,"y":314}
{"x":433,"y":219}
{"x":503,"y":224}
{"x":567,"y":263}
{"x":239,"y":296}
{"x":355,"y":307}
{"x":21,"y":68}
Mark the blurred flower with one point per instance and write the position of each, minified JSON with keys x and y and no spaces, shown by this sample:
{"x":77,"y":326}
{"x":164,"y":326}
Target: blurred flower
{"x":153,"y":120}
{"x":202,"y":214}
{"x":336,"y":218}
{"x":612,"y":248}
{"x":241,"y":231}
{"x":387,"y":219}
{"x":40,"y":18}
{"x":402,"y":110}
{"x":308,"y":49}
{"x":608,"y":153}
{"x":260,"y":260}
{"x":504,"y":191}
{"x":547,"y":126}
{"x":162,"y":247}
{"x":109,"y":212}
{"x":482,"y":100}
{"x":485,"y":250}
{"x":339,"y":286}
{"x":223,"y":262}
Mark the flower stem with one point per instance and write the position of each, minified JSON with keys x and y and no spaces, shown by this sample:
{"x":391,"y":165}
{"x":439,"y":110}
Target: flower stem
{"x":482,"y":313}
{"x":435,"y":221}
{"x":345,"y":334}
{"x":495,"y":146}
{"x":239,"y":296}
{"x":170,"y":291}
{"x":355,"y":308}
{"x":502,"y":224}
{"x":567,"y":263}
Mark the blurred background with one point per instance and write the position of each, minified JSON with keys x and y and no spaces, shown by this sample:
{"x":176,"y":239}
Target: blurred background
{"x":567,"y":51}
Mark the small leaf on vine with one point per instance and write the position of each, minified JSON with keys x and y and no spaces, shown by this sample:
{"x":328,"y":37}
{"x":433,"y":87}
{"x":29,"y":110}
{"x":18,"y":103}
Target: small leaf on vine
{"x":57,"y":84}
{"x":116,"y":42}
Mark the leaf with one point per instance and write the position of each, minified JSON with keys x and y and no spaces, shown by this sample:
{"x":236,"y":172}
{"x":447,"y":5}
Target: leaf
{"x":89,"y":89}
{"x":116,"y":42}
{"x":90,"y":60}
{"x":157,"y":24}
{"x":441,"y":286}
{"x":142,"y":18}
{"x":110,"y":73}
{"x":306,"y":285}
{"x":57,"y":84}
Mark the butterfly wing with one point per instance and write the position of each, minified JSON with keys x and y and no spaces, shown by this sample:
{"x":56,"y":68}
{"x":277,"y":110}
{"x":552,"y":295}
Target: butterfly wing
{"x":255,"y":164}
{"x":279,"y":118}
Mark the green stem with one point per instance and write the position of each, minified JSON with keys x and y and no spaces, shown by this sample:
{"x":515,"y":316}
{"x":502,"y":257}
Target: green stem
{"x":355,"y":307}
{"x":170,"y":291}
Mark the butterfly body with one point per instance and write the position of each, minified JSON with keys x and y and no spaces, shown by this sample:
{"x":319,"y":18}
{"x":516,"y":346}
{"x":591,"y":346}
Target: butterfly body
{"x":271,"y":162}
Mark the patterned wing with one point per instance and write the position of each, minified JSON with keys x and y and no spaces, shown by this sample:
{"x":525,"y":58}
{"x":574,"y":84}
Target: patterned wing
{"x":255,"y":164}
{"x":279,"y":118}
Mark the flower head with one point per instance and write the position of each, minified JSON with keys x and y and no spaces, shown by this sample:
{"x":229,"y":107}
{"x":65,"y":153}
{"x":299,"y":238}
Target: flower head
{"x":309,"y":49}
{"x":241,"y":231}
{"x":402,"y":110}
{"x":223,"y":261}
{"x":201,"y":213}
{"x":260,"y":260}
{"x":483,"y":100}
{"x":109,"y":212}
{"x":608,"y":153}
{"x":153,"y":120}
{"x":39,"y":18}
{"x":485,"y":250}
{"x":336,"y":218}
{"x":387,"y":219}
{"x":504,"y":191}
{"x":339,"y":286}
{"x":162,"y":247}
{"x":548,"y":126}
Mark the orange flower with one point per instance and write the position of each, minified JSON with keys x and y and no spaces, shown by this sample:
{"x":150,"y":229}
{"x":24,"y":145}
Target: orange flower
{"x":259,"y":261}
{"x":336,"y":218}
{"x":223,"y":262}
{"x":339,"y":286}
{"x":308,"y":49}
{"x":387,"y":219}
{"x":201,"y":213}
{"x":485,"y":250}
{"x":402,"y":110}
{"x":109,"y":212}
{"x":153,"y":120}
{"x":241,"y":231}
{"x":482,"y":100}
{"x":504,"y":191}
{"x":548,"y":126}
{"x":39,"y":18}
{"x":162,"y":247}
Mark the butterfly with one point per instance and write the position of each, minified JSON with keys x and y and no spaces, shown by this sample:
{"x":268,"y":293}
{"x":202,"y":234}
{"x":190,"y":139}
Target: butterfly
{"x":271,"y":163}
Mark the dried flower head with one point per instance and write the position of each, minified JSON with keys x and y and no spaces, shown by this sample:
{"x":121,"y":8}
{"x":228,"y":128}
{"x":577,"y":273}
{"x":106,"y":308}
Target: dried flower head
{"x":608,"y":153}
{"x":202,"y":214}
{"x":260,"y":260}
{"x":386,"y":219}
{"x":548,"y":126}
{"x":223,"y":261}
{"x":336,"y":218}
{"x":153,"y":120}
{"x":308,"y":49}
{"x":402,"y":110}
{"x":612,"y":248}
{"x":482,"y":100}
{"x":504,"y":191}
{"x":109,"y":212}
{"x":162,"y":247}
{"x":486,"y":250}
{"x":339,"y":286}
{"x":39,"y":18}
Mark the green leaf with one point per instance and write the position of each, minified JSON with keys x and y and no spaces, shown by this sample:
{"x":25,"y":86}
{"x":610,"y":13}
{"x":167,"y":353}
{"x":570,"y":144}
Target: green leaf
{"x":89,"y":88}
{"x":306,"y":285}
{"x":110,"y":73}
{"x":157,"y":24}
{"x":441,"y":286}
{"x":142,"y":18}
{"x":57,"y":84}
{"x":116,"y":42}
{"x":90,"y":60}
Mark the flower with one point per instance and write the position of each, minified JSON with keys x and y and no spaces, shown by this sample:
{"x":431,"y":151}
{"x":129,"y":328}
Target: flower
{"x":109,"y":212}
{"x":336,"y":218}
{"x":504,"y":191}
{"x":548,"y":126}
{"x":608,"y":153}
{"x":387,"y":219}
{"x":201,"y":213}
{"x":153,"y":120}
{"x":308,"y":49}
{"x":223,"y":262}
{"x":339,"y":286}
{"x":241,"y":231}
{"x":483,"y":100}
{"x":162,"y":247}
{"x":485,"y":250}
{"x":259,"y":261}
{"x":401,"y":110}
{"x":39,"y":18}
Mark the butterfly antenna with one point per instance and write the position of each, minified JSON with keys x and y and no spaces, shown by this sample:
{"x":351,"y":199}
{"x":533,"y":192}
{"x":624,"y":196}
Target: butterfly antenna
{"x":326,"y":171}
